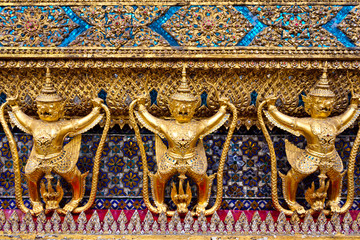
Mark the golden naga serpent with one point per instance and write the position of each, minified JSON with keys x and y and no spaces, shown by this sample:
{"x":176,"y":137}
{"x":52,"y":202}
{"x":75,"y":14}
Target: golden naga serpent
{"x":13,"y":148}
{"x":97,"y":160}
{"x":146,"y":169}
{"x":274,"y":174}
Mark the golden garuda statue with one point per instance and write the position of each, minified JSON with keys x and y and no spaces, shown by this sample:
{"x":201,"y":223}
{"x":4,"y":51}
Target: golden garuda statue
{"x":185,"y":154}
{"x":319,"y":155}
{"x":49,"y":155}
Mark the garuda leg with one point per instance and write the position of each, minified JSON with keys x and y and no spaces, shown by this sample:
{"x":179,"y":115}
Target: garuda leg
{"x":290,"y":185}
{"x":204,"y":184}
{"x":334,"y":191}
{"x":33,"y":182}
{"x":77,"y":182}
{"x":158,"y":182}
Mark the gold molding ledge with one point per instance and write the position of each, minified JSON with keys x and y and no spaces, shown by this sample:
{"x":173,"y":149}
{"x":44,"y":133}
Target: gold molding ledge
{"x":178,"y":63}
{"x":173,"y":2}
{"x":184,"y":237}
{"x":183,"y":52}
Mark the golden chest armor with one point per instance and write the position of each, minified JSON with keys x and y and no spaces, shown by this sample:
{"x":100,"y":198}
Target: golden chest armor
{"x":325,"y":132}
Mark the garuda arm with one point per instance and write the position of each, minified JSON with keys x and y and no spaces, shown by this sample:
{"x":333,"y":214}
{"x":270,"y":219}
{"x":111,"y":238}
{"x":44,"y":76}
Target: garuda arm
{"x":349,"y":116}
{"x":215,"y":122}
{"x":282,"y":121}
{"x":78,"y":126}
{"x":21,"y":120}
{"x":149,"y":121}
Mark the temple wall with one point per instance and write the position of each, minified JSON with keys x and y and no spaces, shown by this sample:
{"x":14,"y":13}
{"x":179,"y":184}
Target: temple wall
{"x":246,"y":173}
{"x":120,"y":50}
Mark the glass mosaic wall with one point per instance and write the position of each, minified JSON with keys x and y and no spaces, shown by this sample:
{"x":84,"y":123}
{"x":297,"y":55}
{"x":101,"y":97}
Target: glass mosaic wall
{"x":65,"y":33}
{"x":246,"y":174}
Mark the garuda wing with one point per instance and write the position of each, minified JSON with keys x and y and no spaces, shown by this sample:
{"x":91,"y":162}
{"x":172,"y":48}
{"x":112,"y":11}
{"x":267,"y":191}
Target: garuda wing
{"x":71,"y":155}
{"x":160,"y":149}
{"x":14,"y":120}
{"x":292,"y":153}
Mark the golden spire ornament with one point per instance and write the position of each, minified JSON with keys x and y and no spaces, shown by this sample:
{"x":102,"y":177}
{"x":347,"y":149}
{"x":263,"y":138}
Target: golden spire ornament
{"x":322,"y":87}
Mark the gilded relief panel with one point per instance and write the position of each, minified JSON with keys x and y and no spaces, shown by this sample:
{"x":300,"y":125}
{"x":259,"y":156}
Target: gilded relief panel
{"x":223,"y":30}
{"x":119,"y":86}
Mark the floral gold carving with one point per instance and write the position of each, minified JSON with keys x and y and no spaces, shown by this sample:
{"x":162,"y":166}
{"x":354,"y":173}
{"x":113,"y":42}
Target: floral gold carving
{"x":34,"y":26}
{"x":119,"y":26}
{"x":295,"y":26}
{"x":208,"y":26}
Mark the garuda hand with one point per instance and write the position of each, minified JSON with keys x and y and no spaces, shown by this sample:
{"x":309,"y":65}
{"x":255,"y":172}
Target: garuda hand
{"x":97,"y":102}
{"x":355,"y":99}
{"x":224,"y":101}
{"x":271,"y":100}
{"x":12,"y":101}
{"x":142,"y":99}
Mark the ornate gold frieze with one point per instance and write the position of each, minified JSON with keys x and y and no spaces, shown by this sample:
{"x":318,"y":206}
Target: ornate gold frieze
{"x":119,"y":26}
{"x":176,"y":2}
{"x":193,"y":30}
{"x":34,"y":26}
{"x":299,"y":26}
{"x":245,"y":82}
{"x":350,"y":27}
{"x":207,"y":26}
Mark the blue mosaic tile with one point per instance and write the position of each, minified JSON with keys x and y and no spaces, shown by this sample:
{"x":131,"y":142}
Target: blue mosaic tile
{"x":331,"y":26}
{"x":246,"y":175}
{"x":258,"y":26}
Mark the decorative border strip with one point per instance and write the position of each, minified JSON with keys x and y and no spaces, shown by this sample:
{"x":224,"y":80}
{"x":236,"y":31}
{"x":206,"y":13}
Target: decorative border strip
{"x":145,"y":223}
{"x":184,"y":53}
{"x":127,"y":203}
{"x":173,"y":31}
{"x":176,"y":63}
{"x":174,"y":2}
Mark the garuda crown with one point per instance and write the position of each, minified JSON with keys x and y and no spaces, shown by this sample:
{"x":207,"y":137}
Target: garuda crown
{"x":183,"y":92}
{"x":322,"y":87}
{"x":48,"y":92}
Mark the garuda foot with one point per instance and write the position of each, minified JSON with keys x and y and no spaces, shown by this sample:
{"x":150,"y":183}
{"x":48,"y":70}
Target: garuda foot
{"x":296,"y":207}
{"x":71,"y":205}
{"x":162,"y":207}
{"x":200,"y":208}
{"x":334,"y":207}
{"x":37,"y":208}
